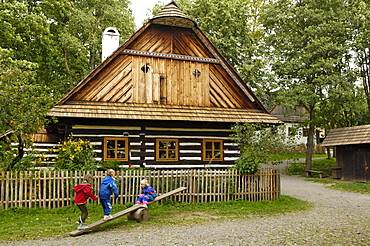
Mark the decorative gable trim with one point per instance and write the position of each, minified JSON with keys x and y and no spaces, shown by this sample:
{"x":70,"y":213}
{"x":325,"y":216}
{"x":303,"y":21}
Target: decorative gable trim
{"x":170,"y":56}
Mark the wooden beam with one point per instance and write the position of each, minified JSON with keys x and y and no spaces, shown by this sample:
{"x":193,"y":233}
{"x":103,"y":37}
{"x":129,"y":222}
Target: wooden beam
{"x":126,"y":211}
{"x":170,"y":56}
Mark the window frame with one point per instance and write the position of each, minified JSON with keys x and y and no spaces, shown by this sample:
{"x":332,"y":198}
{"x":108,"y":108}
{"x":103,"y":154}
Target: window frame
{"x":115,"y":149}
{"x":158,"y":150}
{"x":213,"y":150}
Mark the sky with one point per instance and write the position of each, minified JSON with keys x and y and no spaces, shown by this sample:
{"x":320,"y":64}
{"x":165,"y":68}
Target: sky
{"x":140,"y":9}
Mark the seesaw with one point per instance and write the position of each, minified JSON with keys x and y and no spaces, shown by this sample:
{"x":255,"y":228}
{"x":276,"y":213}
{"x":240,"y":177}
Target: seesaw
{"x":136,"y":212}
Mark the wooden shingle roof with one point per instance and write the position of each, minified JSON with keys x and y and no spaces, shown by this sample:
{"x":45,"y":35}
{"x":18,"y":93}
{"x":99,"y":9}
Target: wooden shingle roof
{"x":348,"y":135}
{"x":132,"y":111}
{"x":171,"y":15}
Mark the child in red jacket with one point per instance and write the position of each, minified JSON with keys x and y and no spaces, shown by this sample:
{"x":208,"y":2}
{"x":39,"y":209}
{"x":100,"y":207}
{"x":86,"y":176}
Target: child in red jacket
{"x":83,"y":192}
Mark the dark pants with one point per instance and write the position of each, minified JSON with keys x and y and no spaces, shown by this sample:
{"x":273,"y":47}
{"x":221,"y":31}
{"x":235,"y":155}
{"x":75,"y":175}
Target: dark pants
{"x":107,"y":205}
{"x":84,"y":212}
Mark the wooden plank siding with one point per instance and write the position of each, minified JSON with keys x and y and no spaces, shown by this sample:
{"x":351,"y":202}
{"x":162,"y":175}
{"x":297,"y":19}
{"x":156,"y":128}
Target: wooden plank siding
{"x":165,"y":79}
{"x":173,"y":40}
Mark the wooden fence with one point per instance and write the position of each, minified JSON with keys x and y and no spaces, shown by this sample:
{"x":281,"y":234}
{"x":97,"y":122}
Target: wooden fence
{"x":51,"y":189}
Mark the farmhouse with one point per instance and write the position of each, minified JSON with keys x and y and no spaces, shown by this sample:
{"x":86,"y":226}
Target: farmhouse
{"x":166,"y":98}
{"x":352,"y":152}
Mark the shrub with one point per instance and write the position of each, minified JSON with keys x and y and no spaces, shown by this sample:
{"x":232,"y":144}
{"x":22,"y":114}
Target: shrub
{"x":247,"y":164}
{"x":75,"y":154}
{"x":257,"y":144}
{"x":110,"y":165}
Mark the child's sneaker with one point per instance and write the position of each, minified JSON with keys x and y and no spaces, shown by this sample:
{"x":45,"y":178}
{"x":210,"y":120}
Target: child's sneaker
{"x":82,"y":226}
{"x":107,"y":217}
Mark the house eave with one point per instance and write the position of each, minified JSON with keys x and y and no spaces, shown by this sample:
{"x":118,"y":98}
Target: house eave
{"x":135,"y":111}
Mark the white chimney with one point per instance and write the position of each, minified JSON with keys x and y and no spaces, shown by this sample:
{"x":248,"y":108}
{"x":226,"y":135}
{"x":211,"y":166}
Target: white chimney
{"x":110,"y":42}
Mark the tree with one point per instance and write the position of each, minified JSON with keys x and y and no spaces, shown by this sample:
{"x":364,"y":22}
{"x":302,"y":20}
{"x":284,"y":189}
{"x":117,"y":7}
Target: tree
{"x":62,"y":36}
{"x":23,"y":104}
{"x":361,"y":46}
{"x":308,"y":47}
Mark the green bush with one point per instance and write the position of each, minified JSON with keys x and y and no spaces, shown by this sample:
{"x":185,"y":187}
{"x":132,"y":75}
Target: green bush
{"x":110,"y":165}
{"x":258,"y":144}
{"x":247,"y":164}
{"x":75,"y":154}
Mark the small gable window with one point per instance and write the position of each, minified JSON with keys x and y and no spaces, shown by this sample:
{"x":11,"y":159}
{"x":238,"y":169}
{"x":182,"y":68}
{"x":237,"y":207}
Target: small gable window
{"x":196,"y":73}
{"x":212,"y":150}
{"x":167,"y":149}
{"x":145,"y":68}
{"x":116,"y":149}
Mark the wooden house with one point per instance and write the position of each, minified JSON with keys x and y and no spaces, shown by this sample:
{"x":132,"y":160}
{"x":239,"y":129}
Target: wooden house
{"x":166,"y":98}
{"x":352,"y":152}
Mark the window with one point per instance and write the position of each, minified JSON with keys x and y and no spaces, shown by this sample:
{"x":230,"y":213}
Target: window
{"x":213,"y":150}
{"x":167,"y":150}
{"x":116,"y":149}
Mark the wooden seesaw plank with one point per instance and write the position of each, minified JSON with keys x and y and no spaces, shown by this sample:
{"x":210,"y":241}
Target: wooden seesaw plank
{"x":126,"y":211}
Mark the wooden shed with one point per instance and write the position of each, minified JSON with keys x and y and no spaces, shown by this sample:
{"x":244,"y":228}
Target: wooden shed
{"x":352,"y":152}
{"x":166,"y":97}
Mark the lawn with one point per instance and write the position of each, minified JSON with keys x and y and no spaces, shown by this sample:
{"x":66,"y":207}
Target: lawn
{"x":363,"y":188}
{"x":34,"y":223}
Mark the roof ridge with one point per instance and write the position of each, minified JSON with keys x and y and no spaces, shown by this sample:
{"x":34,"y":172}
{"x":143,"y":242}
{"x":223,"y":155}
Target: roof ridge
{"x":171,"y":10}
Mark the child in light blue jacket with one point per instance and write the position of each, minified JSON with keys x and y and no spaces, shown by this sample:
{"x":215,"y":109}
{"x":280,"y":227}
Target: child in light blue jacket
{"x":107,"y":187}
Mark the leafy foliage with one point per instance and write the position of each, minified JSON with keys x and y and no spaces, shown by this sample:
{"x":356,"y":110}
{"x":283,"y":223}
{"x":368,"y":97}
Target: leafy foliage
{"x":308,"y":43}
{"x":62,"y":37}
{"x":75,"y":155}
{"x":23,"y":106}
{"x":257,"y":144}
{"x":114,"y":164}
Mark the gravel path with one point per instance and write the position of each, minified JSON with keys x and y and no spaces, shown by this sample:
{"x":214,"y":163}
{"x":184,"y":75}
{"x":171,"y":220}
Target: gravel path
{"x":337,"y":218}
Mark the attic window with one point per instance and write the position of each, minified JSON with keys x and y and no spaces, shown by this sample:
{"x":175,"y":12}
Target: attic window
{"x":145,"y":68}
{"x":196,"y":73}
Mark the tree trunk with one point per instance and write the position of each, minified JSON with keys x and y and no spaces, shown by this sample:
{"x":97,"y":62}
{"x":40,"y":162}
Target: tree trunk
{"x":328,"y":152}
{"x":310,"y":138}
{"x":20,"y":153}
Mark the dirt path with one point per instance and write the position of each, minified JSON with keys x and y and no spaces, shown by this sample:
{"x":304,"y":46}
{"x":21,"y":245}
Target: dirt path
{"x":337,"y":218}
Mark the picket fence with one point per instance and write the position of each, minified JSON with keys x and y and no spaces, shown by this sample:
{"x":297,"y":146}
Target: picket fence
{"x":52,"y":189}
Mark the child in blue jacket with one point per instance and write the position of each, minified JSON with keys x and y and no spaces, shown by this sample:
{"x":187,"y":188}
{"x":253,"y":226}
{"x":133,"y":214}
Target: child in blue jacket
{"x":149,"y":194}
{"x":107,"y":187}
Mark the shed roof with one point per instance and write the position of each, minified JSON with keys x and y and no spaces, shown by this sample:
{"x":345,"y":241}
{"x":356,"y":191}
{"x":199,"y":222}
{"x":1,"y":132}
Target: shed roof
{"x":348,"y":135}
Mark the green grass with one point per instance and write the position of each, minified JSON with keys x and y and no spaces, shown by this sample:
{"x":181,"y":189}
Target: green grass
{"x":292,"y":156}
{"x":33,"y":223}
{"x":363,"y":188}
{"x":325,"y":165}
